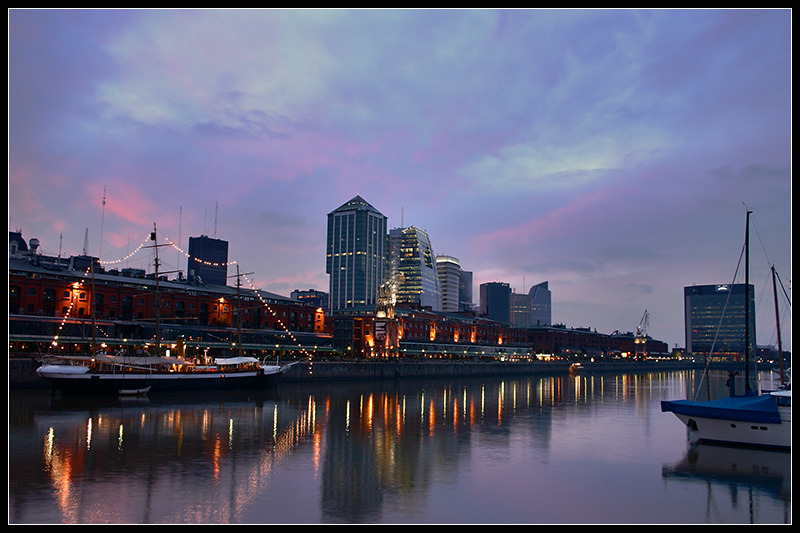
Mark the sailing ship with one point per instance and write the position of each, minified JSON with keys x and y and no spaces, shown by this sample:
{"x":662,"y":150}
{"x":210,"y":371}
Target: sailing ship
{"x":142,"y":372}
{"x":123,"y":374}
{"x":750,"y":419}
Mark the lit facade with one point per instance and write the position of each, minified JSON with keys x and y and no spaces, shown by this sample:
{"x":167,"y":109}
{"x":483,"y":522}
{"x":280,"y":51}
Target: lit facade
{"x":356,"y":254}
{"x":413,"y":259}
{"x":715,"y":319}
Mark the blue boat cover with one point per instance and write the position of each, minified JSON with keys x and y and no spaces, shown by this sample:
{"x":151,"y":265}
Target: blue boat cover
{"x":763,"y":409}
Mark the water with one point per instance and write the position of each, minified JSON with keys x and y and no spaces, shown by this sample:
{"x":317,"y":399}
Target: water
{"x":545,"y":450}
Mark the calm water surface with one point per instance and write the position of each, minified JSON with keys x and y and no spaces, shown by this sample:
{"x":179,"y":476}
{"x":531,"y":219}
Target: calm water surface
{"x":550,"y":450}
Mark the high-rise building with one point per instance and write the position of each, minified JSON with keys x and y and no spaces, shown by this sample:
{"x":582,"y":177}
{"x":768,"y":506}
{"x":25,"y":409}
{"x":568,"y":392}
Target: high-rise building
{"x":413,"y":259}
{"x":520,"y":310}
{"x":715,"y":319}
{"x":208,"y":260}
{"x":449,"y":270}
{"x":496,"y":301}
{"x":465,"y":302}
{"x":541,"y":308}
{"x":356,"y":254}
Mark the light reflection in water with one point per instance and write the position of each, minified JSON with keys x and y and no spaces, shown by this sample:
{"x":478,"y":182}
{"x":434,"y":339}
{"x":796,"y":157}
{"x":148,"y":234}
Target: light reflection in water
{"x":418,"y":451}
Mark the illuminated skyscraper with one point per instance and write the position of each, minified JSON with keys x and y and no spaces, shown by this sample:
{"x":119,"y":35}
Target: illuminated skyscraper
{"x":715,"y":319}
{"x":412,"y":257}
{"x":356,"y":254}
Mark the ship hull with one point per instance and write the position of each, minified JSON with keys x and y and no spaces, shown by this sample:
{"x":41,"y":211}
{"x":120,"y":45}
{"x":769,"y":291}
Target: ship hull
{"x":108,"y":383}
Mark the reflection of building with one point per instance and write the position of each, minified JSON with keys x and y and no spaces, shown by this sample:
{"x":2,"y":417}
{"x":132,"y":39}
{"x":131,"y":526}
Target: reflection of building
{"x":356,"y":255}
{"x":715,"y":319}
{"x":496,"y":301}
{"x":208,"y":260}
{"x":413,"y":259}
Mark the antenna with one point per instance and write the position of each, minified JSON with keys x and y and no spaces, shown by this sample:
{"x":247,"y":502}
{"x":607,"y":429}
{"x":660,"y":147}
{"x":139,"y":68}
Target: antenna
{"x":102,"y":222}
{"x":216,"y":210}
{"x":86,"y":242}
{"x":180,"y":223}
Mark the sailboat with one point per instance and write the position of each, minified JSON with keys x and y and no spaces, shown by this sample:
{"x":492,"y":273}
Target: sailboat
{"x":138,"y":374}
{"x":750,"y":419}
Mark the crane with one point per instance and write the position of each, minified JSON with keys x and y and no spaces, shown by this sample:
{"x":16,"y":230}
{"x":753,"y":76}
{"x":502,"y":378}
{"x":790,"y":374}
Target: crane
{"x":640,"y":339}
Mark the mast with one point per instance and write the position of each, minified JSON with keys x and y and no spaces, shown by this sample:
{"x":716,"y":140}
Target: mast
{"x":747,"y":305}
{"x":154,"y":238}
{"x":778,"y":325}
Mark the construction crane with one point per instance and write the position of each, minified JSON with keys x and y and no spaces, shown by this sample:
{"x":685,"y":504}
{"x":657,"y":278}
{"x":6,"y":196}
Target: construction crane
{"x":640,"y":339}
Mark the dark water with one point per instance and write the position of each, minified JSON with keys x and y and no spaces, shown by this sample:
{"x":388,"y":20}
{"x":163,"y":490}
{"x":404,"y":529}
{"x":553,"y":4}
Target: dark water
{"x":549,"y":450}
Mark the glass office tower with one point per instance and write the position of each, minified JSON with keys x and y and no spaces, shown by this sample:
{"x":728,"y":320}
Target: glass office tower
{"x":715,"y":319}
{"x":208,"y":260}
{"x":496,"y":301}
{"x":412,"y":257}
{"x":541,"y":308}
{"x":356,"y":254}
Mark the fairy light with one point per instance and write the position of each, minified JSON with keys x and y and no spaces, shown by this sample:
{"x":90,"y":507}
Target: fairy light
{"x":142,"y":245}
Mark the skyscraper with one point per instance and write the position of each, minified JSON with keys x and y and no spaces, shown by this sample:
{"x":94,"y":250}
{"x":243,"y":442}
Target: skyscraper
{"x":356,"y":254}
{"x":208,"y":260}
{"x":541,"y":308}
{"x":413,"y":259}
{"x":496,"y":301}
{"x":449,"y":271}
{"x":715,"y":319}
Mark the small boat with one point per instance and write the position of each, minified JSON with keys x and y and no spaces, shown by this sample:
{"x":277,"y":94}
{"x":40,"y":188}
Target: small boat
{"x":750,"y":419}
{"x":575,"y":368}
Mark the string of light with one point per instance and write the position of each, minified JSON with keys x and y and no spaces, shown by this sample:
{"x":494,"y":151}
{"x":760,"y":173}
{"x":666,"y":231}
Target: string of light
{"x":142,"y":245}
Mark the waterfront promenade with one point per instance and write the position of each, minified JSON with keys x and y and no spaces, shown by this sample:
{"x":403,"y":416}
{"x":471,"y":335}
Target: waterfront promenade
{"x":22,"y":369}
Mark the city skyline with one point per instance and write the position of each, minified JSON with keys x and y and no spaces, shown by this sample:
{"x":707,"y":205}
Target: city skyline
{"x":607,"y":152}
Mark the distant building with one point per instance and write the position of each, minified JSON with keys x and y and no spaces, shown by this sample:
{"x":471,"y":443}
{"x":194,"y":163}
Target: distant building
{"x":413,"y":259}
{"x":541,"y":307}
{"x":520,"y":310}
{"x":465,"y":301}
{"x":715,"y":319}
{"x":496,"y":301}
{"x":356,"y":254}
{"x":449,"y":270}
{"x":311,"y":297}
{"x":208,"y":260}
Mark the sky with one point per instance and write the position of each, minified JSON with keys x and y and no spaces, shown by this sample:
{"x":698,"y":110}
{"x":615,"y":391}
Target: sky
{"x":611,"y":153}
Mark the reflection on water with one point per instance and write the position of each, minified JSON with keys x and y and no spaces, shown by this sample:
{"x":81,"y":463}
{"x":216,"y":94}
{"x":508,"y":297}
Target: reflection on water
{"x":731,"y":476}
{"x":563,"y":449}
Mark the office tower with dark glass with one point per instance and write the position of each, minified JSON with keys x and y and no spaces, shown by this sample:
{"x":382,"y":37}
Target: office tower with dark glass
{"x":541,"y":308}
{"x":208,"y":260}
{"x":356,"y":254}
{"x":496,"y":301}
{"x":413,"y":259}
{"x":715,"y":319}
